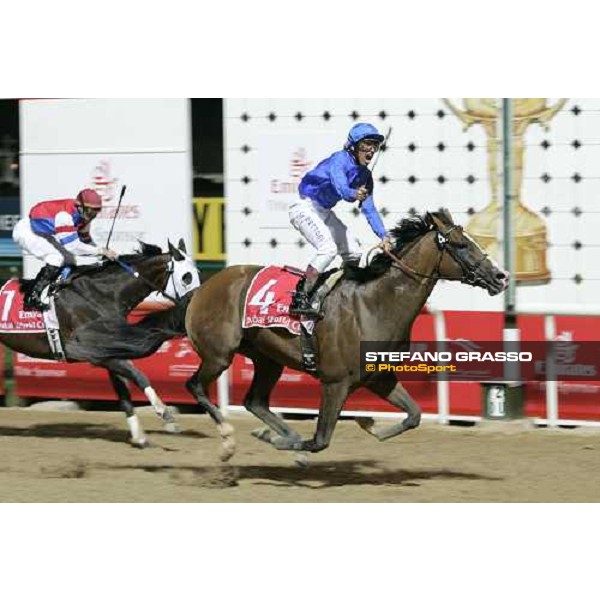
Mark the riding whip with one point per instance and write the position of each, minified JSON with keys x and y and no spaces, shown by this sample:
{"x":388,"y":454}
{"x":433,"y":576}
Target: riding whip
{"x":123,"y":188}
{"x":384,"y":144}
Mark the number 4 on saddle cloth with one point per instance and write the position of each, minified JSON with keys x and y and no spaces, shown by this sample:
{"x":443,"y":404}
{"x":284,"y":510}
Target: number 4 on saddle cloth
{"x":14,"y":318}
{"x":268,"y":302}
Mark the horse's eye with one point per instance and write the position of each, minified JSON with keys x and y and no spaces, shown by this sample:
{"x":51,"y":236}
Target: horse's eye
{"x":187,"y":278}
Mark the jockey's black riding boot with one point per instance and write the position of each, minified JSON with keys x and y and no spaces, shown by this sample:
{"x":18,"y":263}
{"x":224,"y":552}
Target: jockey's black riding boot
{"x":45,"y":277}
{"x":302,"y":302}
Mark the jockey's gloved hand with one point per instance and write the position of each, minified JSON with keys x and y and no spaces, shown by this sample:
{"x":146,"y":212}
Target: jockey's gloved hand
{"x":361,"y":194}
{"x":386,"y":243}
{"x":109,"y":253}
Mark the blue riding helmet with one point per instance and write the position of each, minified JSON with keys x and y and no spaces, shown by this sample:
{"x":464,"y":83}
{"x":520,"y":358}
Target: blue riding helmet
{"x":363,"y":131}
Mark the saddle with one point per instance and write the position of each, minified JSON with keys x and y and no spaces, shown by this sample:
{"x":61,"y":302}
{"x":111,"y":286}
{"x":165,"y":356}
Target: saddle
{"x":322,"y":288}
{"x":267,"y":304}
{"x":37,"y":292}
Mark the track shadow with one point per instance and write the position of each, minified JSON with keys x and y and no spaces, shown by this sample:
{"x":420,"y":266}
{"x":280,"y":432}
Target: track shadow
{"x":317,"y":476}
{"x":86,"y":431}
{"x":68,"y":431}
{"x":185,"y":433}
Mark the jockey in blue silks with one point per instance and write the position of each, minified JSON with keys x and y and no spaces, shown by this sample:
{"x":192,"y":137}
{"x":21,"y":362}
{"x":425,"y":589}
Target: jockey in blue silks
{"x":342,"y":176}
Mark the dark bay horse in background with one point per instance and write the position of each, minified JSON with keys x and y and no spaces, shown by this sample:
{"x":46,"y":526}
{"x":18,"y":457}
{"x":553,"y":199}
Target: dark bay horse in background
{"x":378,"y":303}
{"x":92,"y":306}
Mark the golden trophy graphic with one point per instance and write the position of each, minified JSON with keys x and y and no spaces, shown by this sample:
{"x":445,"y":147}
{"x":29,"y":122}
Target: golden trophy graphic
{"x":529,"y":230}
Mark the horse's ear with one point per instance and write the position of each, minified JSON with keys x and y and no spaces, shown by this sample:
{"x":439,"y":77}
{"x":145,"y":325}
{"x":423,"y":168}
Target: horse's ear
{"x":445,"y":213}
{"x":181,"y":245}
{"x":440,"y":219}
{"x":436,"y":221}
{"x":174,"y":252}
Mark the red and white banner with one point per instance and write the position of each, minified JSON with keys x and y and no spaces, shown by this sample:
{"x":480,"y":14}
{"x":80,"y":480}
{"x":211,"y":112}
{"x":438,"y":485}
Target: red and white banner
{"x":176,"y":360}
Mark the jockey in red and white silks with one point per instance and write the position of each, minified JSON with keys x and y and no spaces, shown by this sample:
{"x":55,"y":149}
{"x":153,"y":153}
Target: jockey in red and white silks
{"x":58,"y":232}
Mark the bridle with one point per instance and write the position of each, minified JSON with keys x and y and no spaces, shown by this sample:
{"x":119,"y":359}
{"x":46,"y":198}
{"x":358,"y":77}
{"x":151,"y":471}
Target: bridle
{"x":130,"y":270}
{"x":170,"y":276}
{"x":469,"y":273}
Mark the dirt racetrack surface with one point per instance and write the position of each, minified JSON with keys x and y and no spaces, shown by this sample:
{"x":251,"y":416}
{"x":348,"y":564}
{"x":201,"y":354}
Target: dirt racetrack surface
{"x":85,"y":457}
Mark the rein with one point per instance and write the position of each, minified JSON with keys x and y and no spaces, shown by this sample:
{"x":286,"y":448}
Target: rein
{"x":400,"y":264}
{"x":468,"y":274}
{"x":137,"y":275}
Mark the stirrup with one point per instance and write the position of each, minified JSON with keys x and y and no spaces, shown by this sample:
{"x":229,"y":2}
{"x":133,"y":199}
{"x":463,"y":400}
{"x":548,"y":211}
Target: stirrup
{"x":34,"y":303}
{"x":298,"y":303}
{"x":302,"y":306}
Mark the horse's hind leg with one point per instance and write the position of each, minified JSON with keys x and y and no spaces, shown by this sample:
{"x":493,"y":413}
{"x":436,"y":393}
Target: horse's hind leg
{"x":197,"y":385}
{"x":125,"y":369}
{"x":138,"y":436}
{"x":388,"y":388}
{"x":266,"y":374}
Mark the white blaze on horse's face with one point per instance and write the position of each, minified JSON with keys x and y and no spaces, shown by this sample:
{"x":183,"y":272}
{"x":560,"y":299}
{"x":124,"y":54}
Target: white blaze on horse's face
{"x":185,"y":276}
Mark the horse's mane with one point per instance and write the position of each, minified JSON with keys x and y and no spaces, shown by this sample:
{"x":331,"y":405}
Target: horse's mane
{"x":145,"y":250}
{"x":405,"y":231}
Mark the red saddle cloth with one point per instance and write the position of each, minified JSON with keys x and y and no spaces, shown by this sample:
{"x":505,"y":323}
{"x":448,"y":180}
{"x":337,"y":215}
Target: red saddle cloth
{"x":268,"y":300}
{"x":13,"y":317}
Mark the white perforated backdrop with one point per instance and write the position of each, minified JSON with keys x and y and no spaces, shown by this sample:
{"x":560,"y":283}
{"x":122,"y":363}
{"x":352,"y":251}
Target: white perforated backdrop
{"x":430,"y":163}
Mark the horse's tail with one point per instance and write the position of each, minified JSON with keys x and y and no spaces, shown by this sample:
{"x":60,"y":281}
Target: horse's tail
{"x":101,"y":339}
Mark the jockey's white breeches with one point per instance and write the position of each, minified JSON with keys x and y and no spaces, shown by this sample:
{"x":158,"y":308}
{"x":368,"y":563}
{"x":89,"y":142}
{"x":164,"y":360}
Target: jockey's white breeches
{"x":41,"y":248}
{"x":323,"y":230}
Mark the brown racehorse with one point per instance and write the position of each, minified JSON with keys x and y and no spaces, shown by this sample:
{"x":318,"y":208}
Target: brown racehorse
{"x":376,"y":303}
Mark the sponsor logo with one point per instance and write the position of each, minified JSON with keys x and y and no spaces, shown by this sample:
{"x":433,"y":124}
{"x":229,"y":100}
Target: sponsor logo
{"x":298,"y":166}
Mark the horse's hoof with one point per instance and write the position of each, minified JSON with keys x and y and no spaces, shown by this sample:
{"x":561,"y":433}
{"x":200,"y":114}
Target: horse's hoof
{"x":227,"y":449}
{"x":140,"y":444}
{"x":301,"y":460}
{"x":286,"y":443}
{"x":172,"y":427}
{"x":366,"y":423}
{"x":225,"y":430}
{"x":262,"y":434}
{"x":227,"y":441}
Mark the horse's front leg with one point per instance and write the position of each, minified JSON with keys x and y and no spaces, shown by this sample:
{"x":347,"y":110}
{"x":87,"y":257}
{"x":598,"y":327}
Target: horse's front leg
{"x":197,"y":385}
{"x":333,"y":397}
{"x":397,"y":397}
{"x":278,"y":433}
